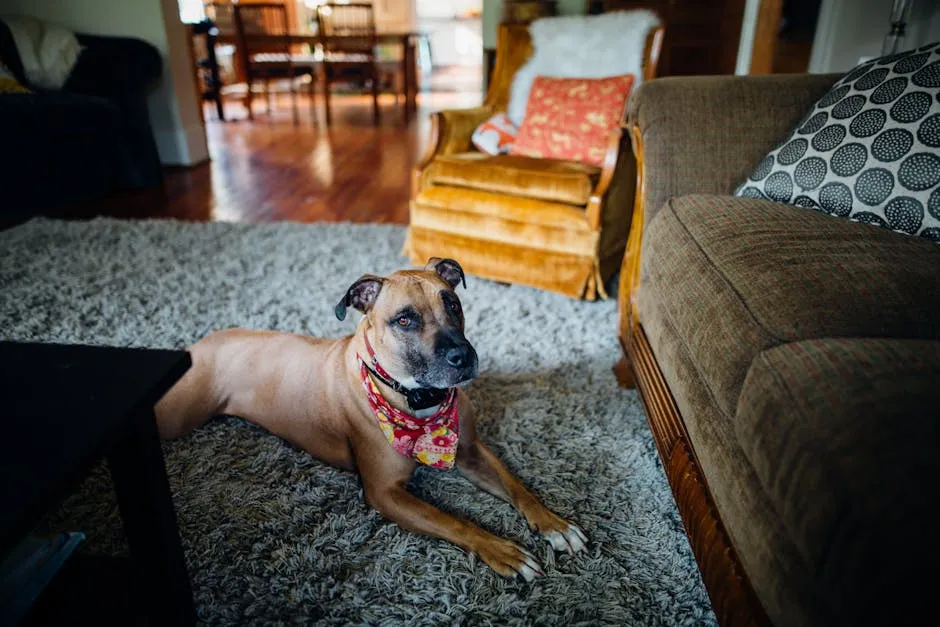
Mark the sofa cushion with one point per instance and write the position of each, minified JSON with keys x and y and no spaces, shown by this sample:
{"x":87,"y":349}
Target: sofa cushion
{"x":736,"y":276}
{"x":546,"y":179}
{"x":843,"y":435}
{"x":867,"y":149}
{"x":771,"y":562}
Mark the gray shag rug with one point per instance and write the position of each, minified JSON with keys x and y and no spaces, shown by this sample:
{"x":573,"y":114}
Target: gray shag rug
{"x":273,"y":536}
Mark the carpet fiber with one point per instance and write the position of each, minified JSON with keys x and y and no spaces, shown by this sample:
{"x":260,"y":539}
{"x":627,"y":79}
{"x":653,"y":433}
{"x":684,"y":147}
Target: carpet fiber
{"x":273,"y":536}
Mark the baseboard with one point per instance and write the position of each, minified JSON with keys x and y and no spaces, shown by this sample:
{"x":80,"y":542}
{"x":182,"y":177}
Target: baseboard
{"x":182,"y":146}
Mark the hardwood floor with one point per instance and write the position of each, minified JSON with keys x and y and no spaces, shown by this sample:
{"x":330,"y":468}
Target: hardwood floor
{"x":270,"y":170}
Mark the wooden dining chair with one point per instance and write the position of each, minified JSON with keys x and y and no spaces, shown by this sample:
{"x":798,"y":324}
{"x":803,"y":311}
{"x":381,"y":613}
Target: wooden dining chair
{"x":348,"y":39}
{"x":261,"y":39}
{"x":208,"y":78}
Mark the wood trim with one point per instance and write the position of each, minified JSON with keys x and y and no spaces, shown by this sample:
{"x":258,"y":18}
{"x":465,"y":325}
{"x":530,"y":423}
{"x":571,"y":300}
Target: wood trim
{"x":489,"y":62}
{"x":630,"y":271}
{"x":504,"y":40}
{"x":732,"y":596}
{"x":434,"y":145}
{"x":765,"y":37}
{"x":526,"y":11}
{"x":654,"y":47}
{"x":595,"y":206}
{"x":609,"y":167}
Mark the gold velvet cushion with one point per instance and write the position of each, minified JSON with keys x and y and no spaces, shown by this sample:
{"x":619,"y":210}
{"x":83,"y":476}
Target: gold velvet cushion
{"x":566,"y":182}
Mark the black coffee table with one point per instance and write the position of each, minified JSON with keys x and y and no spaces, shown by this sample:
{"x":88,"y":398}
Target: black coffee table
{"x":63,"y":408}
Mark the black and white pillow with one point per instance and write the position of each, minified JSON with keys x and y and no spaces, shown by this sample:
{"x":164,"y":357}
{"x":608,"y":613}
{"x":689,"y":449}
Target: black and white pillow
{"x":868,"y":150}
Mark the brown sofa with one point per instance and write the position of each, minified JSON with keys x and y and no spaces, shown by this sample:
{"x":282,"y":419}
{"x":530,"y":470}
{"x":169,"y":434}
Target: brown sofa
{"x":789,"y":362}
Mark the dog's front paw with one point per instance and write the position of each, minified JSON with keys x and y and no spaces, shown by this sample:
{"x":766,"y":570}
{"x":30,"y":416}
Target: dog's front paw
{"x":571,"y":539}
{"x":562,"y":535}
{"x":508,"y":558}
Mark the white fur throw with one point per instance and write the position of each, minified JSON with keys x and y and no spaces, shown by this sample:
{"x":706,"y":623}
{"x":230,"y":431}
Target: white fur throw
{"x":48,"y":52}
{"x":582,"y":46}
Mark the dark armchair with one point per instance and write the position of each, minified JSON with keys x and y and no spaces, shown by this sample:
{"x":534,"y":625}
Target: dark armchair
{"x":83,"y":141}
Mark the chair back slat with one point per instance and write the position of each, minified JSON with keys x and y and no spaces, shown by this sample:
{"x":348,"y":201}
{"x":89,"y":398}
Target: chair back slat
{"x":261,"y":18}
{"x":352,"y":24}
{"x":222,"y":15}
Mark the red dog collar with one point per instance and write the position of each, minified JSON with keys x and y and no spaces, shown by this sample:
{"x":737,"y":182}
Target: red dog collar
{"x":431,"y":441}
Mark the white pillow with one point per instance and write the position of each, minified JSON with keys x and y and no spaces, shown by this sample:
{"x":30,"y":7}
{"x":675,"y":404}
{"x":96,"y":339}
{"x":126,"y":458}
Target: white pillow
{"x":47,"y":51}
{"x":582,"y":46}
{"x":495,"y":136}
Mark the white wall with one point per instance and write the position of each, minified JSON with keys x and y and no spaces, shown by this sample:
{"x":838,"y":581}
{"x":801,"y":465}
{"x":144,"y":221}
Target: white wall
{"x":175,"y":109}
{"x":746,"y":43}
{"x":394,"y":15}
{"x":455,"y":35}
{"x":849,"y":30}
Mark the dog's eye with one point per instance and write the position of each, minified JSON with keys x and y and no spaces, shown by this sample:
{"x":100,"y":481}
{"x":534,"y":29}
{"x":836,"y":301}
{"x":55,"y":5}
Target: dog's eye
{"x":404,"y":322}
{"x":455,"y":306}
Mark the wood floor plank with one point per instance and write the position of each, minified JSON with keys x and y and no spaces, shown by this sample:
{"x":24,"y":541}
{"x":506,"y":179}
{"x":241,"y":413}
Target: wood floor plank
{"x":271,"y":170}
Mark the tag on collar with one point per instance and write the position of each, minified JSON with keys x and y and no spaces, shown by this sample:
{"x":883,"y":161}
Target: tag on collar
{"x":424,"y":398}
{"x":418,"y":398}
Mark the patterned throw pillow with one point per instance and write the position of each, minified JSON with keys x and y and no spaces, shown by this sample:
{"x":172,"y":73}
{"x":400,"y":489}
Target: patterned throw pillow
{"x":495,"y":136}
{"x":868,"y":150}
{"x":571,"y":118}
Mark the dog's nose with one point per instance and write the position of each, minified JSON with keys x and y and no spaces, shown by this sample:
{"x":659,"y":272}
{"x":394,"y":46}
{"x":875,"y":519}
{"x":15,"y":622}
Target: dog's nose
{"x":457,"y":356}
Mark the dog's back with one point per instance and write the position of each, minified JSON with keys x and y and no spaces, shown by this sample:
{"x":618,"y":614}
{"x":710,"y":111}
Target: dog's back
{"x":241,"y":372}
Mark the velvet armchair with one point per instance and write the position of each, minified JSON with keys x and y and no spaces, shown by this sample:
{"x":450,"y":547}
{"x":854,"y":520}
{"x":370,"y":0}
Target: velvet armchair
{"x":551,"y":224}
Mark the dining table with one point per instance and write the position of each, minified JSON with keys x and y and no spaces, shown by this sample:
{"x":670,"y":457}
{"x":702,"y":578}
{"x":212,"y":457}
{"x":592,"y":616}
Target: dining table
{"x":407,"y":40}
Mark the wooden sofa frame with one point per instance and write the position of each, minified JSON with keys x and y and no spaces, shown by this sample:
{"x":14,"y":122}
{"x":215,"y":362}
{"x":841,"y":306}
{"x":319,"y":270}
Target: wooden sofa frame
{"x":733,"y":599}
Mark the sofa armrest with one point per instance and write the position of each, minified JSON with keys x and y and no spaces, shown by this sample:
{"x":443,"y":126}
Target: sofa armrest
{"x":702,"y":134}
{"x":114,"y":67}
{"x":451,"y":130}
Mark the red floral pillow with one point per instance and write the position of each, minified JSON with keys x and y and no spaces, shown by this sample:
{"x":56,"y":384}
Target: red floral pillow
{"x":571,"y":118}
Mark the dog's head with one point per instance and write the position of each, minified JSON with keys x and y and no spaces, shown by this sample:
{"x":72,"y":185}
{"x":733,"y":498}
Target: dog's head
{"x":418,"y":324}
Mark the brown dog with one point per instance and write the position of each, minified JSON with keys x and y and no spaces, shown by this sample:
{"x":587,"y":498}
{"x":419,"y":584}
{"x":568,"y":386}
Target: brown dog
{"x":379,"y":402}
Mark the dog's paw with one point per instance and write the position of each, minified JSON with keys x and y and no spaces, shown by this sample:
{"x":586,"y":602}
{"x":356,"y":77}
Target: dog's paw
{"x":561,"y":534}
{"x":571,"y":539}
{"x":509,"y":559}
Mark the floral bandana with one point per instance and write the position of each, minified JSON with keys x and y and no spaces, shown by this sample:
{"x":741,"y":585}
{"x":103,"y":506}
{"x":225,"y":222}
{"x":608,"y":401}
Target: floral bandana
{"x":431,"y":441}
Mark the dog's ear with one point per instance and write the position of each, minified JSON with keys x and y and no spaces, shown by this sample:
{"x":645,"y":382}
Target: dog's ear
{"x":360,"y":295}
{"x":447,"y":269}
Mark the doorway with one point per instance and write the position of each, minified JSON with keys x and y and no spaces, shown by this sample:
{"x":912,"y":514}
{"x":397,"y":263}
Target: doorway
{"x":783,"y":36}
{"x":455,"y":34}
{"x":795,"y":38}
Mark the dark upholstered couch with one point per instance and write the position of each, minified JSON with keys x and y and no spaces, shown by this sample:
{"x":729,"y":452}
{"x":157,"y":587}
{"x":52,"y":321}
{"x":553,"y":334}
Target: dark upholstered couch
{"x":90,"y":138}
{"x":790,"y":365}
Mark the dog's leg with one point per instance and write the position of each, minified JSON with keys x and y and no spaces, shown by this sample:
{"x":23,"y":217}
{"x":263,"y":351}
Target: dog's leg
{"x":383,"y":481}
{"x":479,"y":464}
